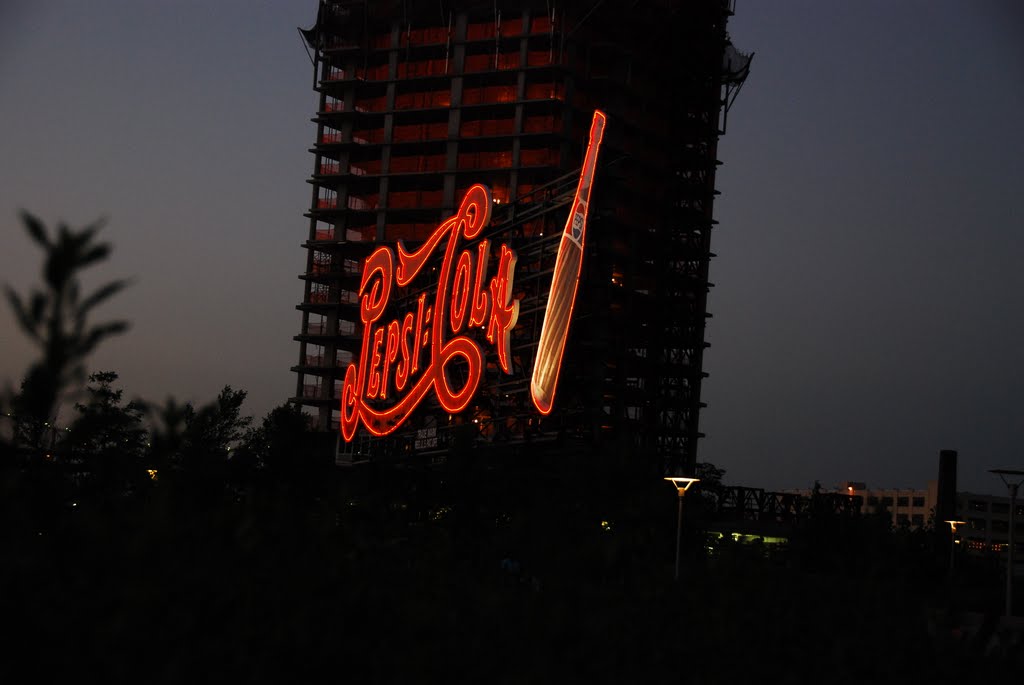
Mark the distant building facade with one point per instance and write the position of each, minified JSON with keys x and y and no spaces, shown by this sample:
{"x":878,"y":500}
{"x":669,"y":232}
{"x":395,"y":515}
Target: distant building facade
{"x":988,"y":523}
{"x":986,"y":517}
{"x":910,"y":508}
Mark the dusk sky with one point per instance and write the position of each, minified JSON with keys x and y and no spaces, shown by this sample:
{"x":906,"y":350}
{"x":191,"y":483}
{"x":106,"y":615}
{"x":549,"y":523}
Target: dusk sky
{"x":869,"y":290}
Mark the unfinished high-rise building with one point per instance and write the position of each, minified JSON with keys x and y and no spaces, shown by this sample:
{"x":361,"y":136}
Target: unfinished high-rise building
{"x":418,"y":101}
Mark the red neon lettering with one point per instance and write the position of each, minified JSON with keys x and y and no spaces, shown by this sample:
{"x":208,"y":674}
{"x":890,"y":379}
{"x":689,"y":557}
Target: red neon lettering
{"x":417,"y":340}
{"x":505,"y":311}
{"x":402,"y":372}
{"x":399,"y":361}
{"x":375,"y":384}
{"x":481,"y":300}
{"x":460,"y":292}
{"x":391,"y":351}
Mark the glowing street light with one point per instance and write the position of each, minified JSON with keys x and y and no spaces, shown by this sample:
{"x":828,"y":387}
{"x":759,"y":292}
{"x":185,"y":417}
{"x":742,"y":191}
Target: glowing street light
{"x":1012,"y":479}
{"x":952,"y":542}
{"x":682,"y":484}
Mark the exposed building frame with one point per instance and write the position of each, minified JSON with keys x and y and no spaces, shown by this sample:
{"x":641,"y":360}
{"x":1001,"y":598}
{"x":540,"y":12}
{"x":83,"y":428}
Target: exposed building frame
{"x":416,"y":103}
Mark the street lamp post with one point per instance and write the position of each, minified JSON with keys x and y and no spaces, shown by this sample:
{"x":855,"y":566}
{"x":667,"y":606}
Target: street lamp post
{"x":1012,"y":479}
{"x":952,"y":543}
{"x":682,"y":484}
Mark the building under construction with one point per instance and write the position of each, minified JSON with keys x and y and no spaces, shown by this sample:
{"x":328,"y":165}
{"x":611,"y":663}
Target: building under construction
{"x":418,"y":101}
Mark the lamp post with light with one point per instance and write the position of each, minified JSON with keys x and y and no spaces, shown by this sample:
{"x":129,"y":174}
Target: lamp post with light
{"x":1012,"y":479}
{"x":681,"y":484}
{"x":952,"y":543}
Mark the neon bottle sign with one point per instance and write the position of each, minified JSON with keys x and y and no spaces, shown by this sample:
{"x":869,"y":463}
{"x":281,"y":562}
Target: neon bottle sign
{"x":565,"y":280}
{"x":405,"y":358}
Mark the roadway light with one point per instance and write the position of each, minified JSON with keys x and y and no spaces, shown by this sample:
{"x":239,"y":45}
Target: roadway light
{"x":952,"y":542}
{"x":682,"y":484}
{"x":1012,"y":479}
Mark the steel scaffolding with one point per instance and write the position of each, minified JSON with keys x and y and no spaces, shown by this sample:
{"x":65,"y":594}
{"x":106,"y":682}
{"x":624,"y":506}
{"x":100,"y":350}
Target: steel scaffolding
{"x":417,"y":104}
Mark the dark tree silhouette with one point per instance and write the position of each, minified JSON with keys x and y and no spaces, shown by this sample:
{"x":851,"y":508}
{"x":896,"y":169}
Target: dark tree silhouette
{"x":197,"y":443}
{"x":56,"y":318}
{"x":214,"y":429}
{"x":166,"y":433}
{"x":709,"y":474}
{"x":277,"y":442}
{"x":106,"y":425}
{"x":108,"y":438}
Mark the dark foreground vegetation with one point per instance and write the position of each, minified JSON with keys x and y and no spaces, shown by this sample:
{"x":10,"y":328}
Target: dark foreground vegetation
{"x":171,"y":543}
{"x":510,"y":577}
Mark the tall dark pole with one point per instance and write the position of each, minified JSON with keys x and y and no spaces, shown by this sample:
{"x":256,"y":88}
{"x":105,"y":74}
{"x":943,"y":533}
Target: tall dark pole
{"x":952,"y":544}
{"x":952,"y":549}
{"x":952,"y":552}
{"x":679,"y":530}
{"x":1009,"y":552}
{"x":1014,"y":481}
{"x":681,"y":484}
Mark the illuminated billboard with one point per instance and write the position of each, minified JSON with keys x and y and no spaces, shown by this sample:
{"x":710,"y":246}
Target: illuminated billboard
{"x":406,"y":356}
{"x":562,"y":297}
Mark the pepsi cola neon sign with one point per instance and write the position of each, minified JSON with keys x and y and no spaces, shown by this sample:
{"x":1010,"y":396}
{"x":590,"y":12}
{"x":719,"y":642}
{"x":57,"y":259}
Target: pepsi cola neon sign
{"x":404,"y":358}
